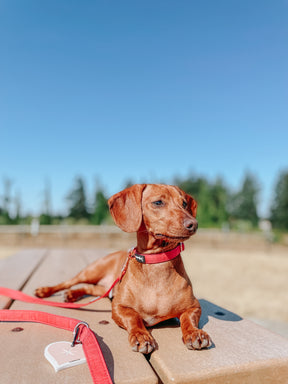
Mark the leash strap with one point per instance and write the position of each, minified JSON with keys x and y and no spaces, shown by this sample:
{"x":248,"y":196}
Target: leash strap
{"x":96,"y":363}
{"x":18,"y":295}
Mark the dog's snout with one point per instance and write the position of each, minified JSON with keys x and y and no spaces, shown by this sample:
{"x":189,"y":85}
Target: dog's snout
{"x":190,"y":224}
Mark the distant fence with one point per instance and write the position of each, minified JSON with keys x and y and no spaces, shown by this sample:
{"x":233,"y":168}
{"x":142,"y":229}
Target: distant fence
{"x":36,"y":229}
{"x":65,"y":229}
{"x":70,"y":229}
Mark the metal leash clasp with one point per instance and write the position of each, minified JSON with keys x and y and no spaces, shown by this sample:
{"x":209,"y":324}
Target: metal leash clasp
{"x":131,"y":252}
{"x":76,"y":340}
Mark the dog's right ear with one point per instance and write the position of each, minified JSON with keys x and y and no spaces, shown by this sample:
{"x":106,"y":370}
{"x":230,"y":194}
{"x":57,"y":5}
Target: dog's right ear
{"x":126,"y":208}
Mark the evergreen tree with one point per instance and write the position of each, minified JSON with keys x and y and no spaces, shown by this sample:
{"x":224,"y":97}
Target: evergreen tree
{"x":101,"y":209}
{"x":6,"y":219}
{"x":46,"y":216}
{"x":279,"y":210}
{"x":18,"y":208}
{"x":243,"y":205}
{"x":219,"y":198}
{"x":211,"y":199}
{"x":77,"y":201}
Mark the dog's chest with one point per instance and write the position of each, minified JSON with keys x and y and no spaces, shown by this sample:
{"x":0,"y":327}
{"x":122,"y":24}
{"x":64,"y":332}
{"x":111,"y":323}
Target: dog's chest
{"x":156,"y":302}
{"x":152,"y":302}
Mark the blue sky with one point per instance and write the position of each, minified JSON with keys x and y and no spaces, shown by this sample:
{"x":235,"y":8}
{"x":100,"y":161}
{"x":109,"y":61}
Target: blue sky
{"x":143,"y":91}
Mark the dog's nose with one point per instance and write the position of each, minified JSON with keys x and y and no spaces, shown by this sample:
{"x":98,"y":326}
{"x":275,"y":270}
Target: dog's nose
{"x":190,"y":224}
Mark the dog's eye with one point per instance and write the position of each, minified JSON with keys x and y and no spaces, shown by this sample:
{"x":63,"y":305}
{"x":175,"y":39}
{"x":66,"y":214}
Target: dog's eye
{"x":184,"y":204}
{"x":158,"y":203}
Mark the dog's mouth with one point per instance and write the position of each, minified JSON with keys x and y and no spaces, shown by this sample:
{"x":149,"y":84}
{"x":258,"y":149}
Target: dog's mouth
{"x":176,"y":238}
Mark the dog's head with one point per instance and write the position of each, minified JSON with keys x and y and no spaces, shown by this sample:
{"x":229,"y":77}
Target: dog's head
{"x":167,"y":212}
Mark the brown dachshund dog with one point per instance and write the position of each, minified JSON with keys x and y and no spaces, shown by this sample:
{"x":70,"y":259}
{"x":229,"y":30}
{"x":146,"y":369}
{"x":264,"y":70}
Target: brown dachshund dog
{"x":163,"y":216}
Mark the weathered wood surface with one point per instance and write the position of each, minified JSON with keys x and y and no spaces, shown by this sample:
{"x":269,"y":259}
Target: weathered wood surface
{"x":22,"y":360}
{"x":242,"y":351}
{"x":17,"y":269}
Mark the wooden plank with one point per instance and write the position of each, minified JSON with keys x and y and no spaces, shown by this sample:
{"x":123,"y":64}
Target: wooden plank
{"x":243,"y":352}
{"x":125,"y":366}
{"x":16,"y":270}
{"x":91,"y":255}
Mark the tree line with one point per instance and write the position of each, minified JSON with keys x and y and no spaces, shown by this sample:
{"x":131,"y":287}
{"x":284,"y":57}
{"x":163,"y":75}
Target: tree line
{"x":218,"y":206}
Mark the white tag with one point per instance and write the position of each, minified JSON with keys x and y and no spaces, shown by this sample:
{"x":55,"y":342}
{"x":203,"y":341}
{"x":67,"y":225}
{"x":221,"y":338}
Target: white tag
{"x":61,"y":355}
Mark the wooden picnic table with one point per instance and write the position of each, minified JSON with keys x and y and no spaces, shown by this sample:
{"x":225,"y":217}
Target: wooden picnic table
{"x":242,"y":351}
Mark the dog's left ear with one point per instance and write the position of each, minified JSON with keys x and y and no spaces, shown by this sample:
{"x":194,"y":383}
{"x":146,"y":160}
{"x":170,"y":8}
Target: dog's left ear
{"x":126,"y":208}
{"x":192,"y":205}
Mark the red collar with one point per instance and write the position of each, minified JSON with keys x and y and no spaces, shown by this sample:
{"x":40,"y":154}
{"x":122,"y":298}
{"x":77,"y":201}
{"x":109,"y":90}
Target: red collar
{"x":155,"y":258}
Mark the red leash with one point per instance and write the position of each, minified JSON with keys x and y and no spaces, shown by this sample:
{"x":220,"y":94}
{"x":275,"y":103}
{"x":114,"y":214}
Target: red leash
{"x":96,"y":363}
{"x":18,"y":295}
{"x":82,"y":333}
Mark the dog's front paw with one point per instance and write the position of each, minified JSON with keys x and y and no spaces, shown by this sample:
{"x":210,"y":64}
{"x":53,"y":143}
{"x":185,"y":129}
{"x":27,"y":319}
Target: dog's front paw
{"x":197,"y":339}
{"x":142,"y":341}
{"x":43,"y":292}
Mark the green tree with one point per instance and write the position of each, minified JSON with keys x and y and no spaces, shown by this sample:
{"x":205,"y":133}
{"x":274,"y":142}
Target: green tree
{"x":219,"y":198}
{"x":46,"y":216}
{"x":211,"y":199}
{"x":279,"y":209}
{"x":243,"y":204}
{"x":1,"y":216}
{"x":6,"y":202}
{"x":101,"y":209}
{"x":18,"y":208}
{"x":77,"y":201}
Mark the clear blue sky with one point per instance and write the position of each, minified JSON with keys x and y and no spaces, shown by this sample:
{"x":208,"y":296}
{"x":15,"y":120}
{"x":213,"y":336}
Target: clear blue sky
{"x":141,"y":90}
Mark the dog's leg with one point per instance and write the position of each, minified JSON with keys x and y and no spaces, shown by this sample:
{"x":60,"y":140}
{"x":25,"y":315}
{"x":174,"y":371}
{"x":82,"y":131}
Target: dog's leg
{"x":193,"y":337}
{"x":109,"y":265}
{"x":89,"y":275}
{"x":48,"y":291}
{"x":75,"y":294}
{"x":139,"y":337}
